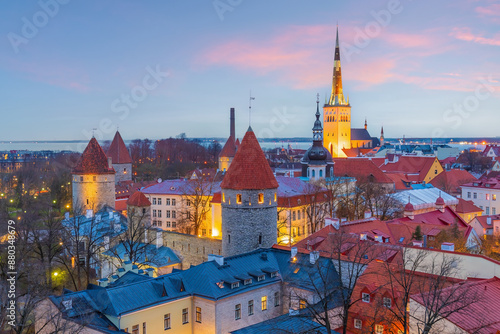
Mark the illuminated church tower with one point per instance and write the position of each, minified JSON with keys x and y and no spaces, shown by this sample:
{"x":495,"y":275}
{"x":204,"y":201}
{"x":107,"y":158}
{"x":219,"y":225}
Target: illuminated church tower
{"x":337,"y":113}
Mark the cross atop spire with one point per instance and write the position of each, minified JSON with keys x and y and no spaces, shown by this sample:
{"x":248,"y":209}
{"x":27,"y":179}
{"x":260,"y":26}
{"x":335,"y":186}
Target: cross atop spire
{"x":337,"y":95}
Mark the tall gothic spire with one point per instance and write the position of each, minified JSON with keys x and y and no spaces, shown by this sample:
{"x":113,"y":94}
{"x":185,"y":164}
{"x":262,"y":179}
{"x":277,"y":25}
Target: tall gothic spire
{"x":317,"y":129}
{"x":337,"y":95}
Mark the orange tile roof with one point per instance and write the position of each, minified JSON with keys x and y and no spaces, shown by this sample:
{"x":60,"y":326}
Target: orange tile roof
{"x":466,"y":206}
{"x":229,"y":149}
{"x":93,"y":160}
{"x":118,"y":151}
{"x":359,"y":168}
{"x":249,"y":169}
{"x":450,"y":181}
{"x":138,"y":199}
{"x":399,"y":180}
{"x":411,"y":165}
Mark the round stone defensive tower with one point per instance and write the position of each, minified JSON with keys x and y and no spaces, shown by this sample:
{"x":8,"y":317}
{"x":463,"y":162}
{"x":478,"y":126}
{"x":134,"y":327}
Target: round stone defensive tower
{"x":249,"y":200}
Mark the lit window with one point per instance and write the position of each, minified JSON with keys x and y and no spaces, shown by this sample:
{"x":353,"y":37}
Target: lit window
{"x":365,"y":297}
{"x":237,"y":312}
{"x":261,"y":198}
{"x":185,"y":316}
{"x":302,"y":304}
{"x":166,"y":321}
{"x":276,"y":299}
{"x":358,"y":323}
{"x":238,"y":198}
{"x":494,"y":197}
{"x":223,"y":198}
{"x":250,"y":307}
{"x":387,"y":302}
{"x":379,"y":329}
{"x":198,"y":314}
{"x":263,"y":301}
{"x":487,"y":197}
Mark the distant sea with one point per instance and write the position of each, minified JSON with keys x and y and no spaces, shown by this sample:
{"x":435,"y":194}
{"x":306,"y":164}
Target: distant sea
{"x":295,"y":143}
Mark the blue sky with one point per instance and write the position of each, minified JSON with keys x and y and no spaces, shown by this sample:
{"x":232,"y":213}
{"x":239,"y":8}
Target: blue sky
{"x":160,"y":68}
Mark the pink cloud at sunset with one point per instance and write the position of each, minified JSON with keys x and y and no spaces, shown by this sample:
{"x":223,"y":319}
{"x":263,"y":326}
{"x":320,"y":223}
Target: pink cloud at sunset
{"x":465,"y":34}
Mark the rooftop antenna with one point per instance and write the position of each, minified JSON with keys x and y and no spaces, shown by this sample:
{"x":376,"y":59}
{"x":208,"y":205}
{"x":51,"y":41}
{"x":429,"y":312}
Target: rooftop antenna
{"x":94,"y":129}
{"x":250,"y":108}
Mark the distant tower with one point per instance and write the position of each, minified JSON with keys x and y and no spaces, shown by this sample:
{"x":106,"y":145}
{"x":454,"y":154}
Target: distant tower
{"x":229,"y":150}
{"x":93,"y":179}
{"x":139,"y":209}
{"x":337,"y":113}
{"x":317,"y":162}
{"x":382,"y":139}
{"x":120,"y":158}
{"x":249,"y":200}
{"x":366,"y":124}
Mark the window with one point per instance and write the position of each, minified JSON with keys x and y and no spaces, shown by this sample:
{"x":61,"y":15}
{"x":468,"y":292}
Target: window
{"x":167,"y":213}
{"x":154,"y":200}
{"x":188,"y":202}
{"x":159,"y":213}
{"x":198,"y":314}
{"x":203,"y":232}
{"x":94,"y":178}
{"x":237,"y":312}
{"x":250,"y":307}
{"x":167,"y":224}
{"x":387,"y":302}
{"x":468,"y":194}
{"x":174,"y":224}
{"x":135,"y":329}
{"x":159,"y":200}
{"x":358,"y":323}
{"x":238,"y":198}
{"x":81,"y":178}
{"x":493,"y":211}
{"x":298,"y":214}
{"x":143,"y":328}
{"x":185,"y":316}
{"x":167,"y":201}
{"x":475,"y":195}
{"x":293,"y":215}
{"x":247,"y":281}
{"x":379,"y":329}
{"x":154,"y":213}
{"x":302,"y":304}
{"x":173,"y":201}
{"x":313,"y":173}
{"x":276,"y":299}
{"x":263,"y":301}
{"x":494,"y":197}
{"x":166,"y":321}
{"x":487,"y":210}
{"x":235,"y":285}
{"x":487,"y":197}
{"x":365,"y":297}
{"x":261,"y":198}
{"x":320,"y":173}
{"x":261,"y":278}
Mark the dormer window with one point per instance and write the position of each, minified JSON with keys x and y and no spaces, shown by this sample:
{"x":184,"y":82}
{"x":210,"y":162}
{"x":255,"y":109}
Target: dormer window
{"x":247,"y":281}
{"x":261,"y":198}
{"x":365,"y":297}
{"x":274,"y":274}
{"x":235,"y":285}
{"x":238,"y":198}
{"x":261,"y":278}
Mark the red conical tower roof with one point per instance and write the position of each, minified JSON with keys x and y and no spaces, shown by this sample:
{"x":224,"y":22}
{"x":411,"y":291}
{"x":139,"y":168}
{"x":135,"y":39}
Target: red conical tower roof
{"x":93,"y":160}
{"x":118,"y":151}
{"x":229,"y":149}
{"x":249,"y":169}
{"x":138,"y":199}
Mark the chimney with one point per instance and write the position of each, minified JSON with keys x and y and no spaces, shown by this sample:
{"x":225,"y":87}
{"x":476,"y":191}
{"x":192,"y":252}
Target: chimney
{"x":110,"y":163}
{"x":159,"y":239}
{"x":448,"y":246}
{"x":217,"y":258}
{"x":313,"y":257}
{"x":293,"y":252}
{"x":232,"y":126}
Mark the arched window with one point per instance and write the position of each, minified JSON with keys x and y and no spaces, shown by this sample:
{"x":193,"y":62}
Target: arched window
{"x":308,"y":172}
{"x":238,"y":198}
{"x":331,"y":171}
{"x":261,"y":198}
{"x":313,"y":173}
{"x":320,"y":173}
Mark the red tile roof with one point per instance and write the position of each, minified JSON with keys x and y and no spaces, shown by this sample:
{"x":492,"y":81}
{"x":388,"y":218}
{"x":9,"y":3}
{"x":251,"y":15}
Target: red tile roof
{"x":93,"y":160}
{"x":138,"y":199}
{"x":400,"y":180}
{"x":411,"y":165}
{"x":483,"y":221}
{"x":118,"y":151}
{"x":249,"y":169}
{"x":451,"y":180}
{"x":360,"y":168}
{"x":229,"y":149}
{"x":466,"y":206}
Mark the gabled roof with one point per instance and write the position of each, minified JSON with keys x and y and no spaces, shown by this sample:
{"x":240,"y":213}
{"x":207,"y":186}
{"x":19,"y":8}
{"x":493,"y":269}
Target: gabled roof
{"x":93,"y":160}
{"x":146,"y":254}
{"x":138,"y":199}
{"x":118,"y":151}
{"x":360,"y":134}
{"x":359,"y":168}
{"x":451,"y":180}
{"x":229,"y":149}
{"x":467,"y":206}
{"x":411,"y":165}
{"x":249,"y":169}
{"x":483,"y":221}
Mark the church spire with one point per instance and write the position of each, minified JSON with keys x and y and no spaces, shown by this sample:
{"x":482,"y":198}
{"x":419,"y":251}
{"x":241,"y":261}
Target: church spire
{"x":317,"y":129}
{"x":337,"y":95}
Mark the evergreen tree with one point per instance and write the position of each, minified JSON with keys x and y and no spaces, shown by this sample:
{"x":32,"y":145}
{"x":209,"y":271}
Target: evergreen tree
{"x":417,"y":235}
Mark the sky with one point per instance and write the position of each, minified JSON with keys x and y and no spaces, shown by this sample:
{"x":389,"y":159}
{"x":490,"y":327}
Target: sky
{"x":155,"y":69}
